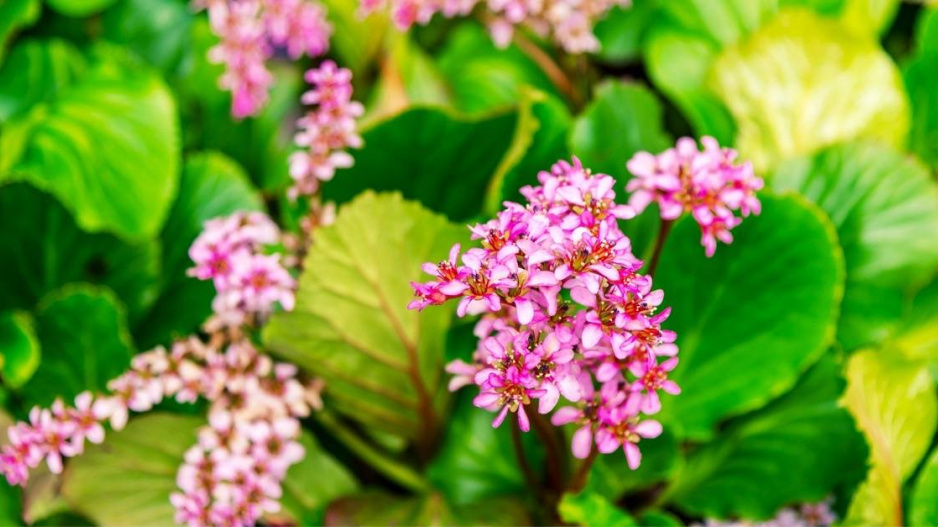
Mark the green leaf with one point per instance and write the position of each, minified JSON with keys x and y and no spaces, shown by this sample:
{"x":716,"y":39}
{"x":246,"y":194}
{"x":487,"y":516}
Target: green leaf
{"x":871,"y":17}
{"x":484,"y":77}
{"x":116,"y":103}
{"x":916,"y":334}
{"x":432,"y":156}
{"x":311,"y":485}
{"x":127,"y":480}
{"x":785,"y":86}
{"x":885,"y":207}
{"x":620,"y":32}
{"x":356,"y":41}
{"x":382,"y":363}
{"x":803,"y":443}
{"x":157,"y":30}
{"x":378,"y":508}
{"x":10,"y":505}
{"x":212,"y":185}
{"x":16,"y":14}
{"x":623,"y":118}
{"x":477,"y":462}
{"x":34,"y":73}
{"x":408,"y":77}
{"x":78,"y":8}
{"x":923,"y":506}
{"x":894,"y":404}
{"x":753,"y":317}
{"x":921,"y":75}
{"x":84,"y":339}
{"x":589,"y":509}
{"x":20,"y":347}
{"x":43,"y":249}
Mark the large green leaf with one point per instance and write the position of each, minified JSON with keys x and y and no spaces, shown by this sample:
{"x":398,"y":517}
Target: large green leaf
{"x":620,"y":32}
{"x":592,"y":510}
{"x":623,"y":118}
{"x":87,"y":146}
{"x":212,"y":185}
{"x":477,"y":462}
{"x":311,"y":485}
{"x":85,"y":343}
{"x":923,"y":503}
{"x":42,"y":249}
{"x":786,"y":87}
{"x":382,"y":363}
{"x":432,"y":156}
{"x":885,"y":208}
{"x":10,"y":505}
{"x":803,"y":443}
{"x":484,"y":77}
{"x":894,"y":404}
{"x":157,"y":30}
{"x":753,"y":317}
{"x":127,"y":479}
{"x":20,"y":356}
{"x":921,"y":76}
{"x":52,"y":66}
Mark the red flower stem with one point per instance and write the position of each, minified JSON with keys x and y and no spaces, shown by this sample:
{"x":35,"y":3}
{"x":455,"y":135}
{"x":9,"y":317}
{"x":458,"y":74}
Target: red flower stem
{"x":663,"y":232}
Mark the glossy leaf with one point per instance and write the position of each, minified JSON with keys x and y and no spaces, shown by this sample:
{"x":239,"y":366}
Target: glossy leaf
{"x":753,"y":317}
{"x":43,"y":249}
{"x":785,"y":87}
{"x":381,"y":362}
{"x":21,"y":351}
{"x":885,"y":208}
{"x":803,"y":443}
{"x":212,"y":185}
{"x":127,"y":480}
{"x":116,"y":102}
{"x":444,"y":161}
{"x":894,"y":404}
{"x":83,"y":334}
{"x":592,"y":510}
{"x":623,"y":118}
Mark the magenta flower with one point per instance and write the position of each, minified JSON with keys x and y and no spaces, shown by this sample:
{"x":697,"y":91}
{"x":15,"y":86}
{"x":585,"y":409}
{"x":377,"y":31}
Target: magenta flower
{"x":565,"y":311}
{"x":707,"y":184}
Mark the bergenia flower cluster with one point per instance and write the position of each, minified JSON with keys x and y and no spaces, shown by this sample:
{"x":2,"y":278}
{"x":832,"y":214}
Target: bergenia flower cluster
{"x":708,"y":184}
{"x":233,"y":475}
{"x":567,"y":314}
{"x":249,"y":283}
{"x":569,"y":22}
{"x":326,"y":130}
{"x":805,"y":515}
{"x":251,"y":31}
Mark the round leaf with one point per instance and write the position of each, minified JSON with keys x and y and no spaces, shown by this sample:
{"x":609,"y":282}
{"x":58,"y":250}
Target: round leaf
{"x":382,"y":363}
{"x":116,"y":103}
{"x":785,"y":86}
{"x":753,"y":317}
{"x":83,"y":334}
{"x":885,"y":208}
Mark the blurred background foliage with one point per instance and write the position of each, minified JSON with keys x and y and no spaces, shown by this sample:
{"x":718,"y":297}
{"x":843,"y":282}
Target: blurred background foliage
{"x":809,"y":346}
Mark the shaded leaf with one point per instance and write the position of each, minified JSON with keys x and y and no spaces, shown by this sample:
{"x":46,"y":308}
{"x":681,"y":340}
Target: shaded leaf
{"x":753,"y":317}
{"x":52,"y":66}
{"x":157,"y":30}
{"x":20,"y":348}
{"x":77,"y":8}
{"x":376,"y":508}
{"x":16,"y":14}
{"x":620,"y":32}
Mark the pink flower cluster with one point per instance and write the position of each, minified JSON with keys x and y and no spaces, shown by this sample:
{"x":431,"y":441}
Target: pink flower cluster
{"x":705,"y":183}
{"x":233,"y":475}
{"x":249,"y":283}
{"x":569,"y":22}
{"x":251,"y":31}
{"x":326,"y":130}
{"x":567,"y":314}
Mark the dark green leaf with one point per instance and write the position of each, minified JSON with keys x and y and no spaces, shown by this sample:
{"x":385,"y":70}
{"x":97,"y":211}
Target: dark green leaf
{"x":376,"y":508}
{"x":444,"y":161}
{"x":127,"y":480}
{"x":16,"y":14}
{"x":21,"y":352}
{"x":620,"y":32}
{"x":383,"y":364}
{"x":42,"y":249}
{"x":77,"y":8}
{"x":796,"y":449}
{"x":623,"y":118}
{"x":753,"y":317}
{"x":212,"y":185}
{"x":52,"y":67}
{"x":84,"y":339}
{"x":885,"y":208}
{"x":157,"y":30}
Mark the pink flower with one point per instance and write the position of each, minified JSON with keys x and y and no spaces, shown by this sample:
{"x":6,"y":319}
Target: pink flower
{"x":705,"y":183}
